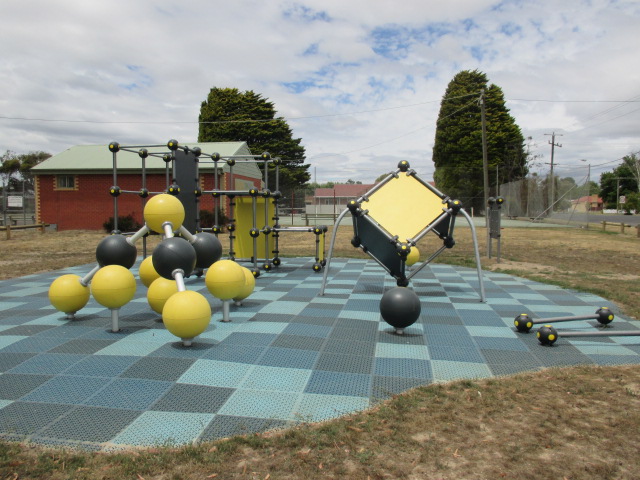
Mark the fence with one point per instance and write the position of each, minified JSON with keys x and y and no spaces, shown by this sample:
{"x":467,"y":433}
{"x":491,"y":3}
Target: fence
{"x":566,"y":201}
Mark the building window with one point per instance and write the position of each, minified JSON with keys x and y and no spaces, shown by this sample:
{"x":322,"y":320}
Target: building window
{"x":65,"y":182}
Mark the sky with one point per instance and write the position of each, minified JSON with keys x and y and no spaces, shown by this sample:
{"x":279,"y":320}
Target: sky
{"x":359,"y":81}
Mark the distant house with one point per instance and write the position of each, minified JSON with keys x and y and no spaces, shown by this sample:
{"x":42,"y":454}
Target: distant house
{"x":590,"y":203}
{"x":72,"y":187}
{"x":332,"y":200}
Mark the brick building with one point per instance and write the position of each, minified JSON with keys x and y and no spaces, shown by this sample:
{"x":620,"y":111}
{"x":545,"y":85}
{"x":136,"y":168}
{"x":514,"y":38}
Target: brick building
{"x":72,"y":187}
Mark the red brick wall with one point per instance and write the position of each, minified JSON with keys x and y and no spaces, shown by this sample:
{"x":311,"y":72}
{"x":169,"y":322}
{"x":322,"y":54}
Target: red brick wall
{"x":89,"y":205}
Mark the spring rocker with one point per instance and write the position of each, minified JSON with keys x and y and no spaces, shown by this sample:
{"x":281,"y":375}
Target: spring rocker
{"x":394,"y":215}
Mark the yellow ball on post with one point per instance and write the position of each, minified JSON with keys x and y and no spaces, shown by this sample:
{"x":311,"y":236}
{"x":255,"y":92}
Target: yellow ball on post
{"x":159,"y":292}
{"x":67,"y":294}
{"x":225,"y":279}
{"x":147,"y":272}
{"x":247,"y":288}
{"x":186,"y":314}
{"x":163,"y":208}
{"x":113,"y":286}
{"x":413,"y":257}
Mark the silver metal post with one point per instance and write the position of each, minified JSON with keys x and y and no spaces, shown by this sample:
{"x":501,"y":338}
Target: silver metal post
{"x":225,"y":310}
{"x":477,"y":253}
{"x":331,"y":244}
{"x":114,"y":320}
{"x":84,"y":281}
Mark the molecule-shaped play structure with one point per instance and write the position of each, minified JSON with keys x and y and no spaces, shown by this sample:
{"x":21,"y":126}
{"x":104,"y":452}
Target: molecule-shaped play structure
{"x":185,"y":313}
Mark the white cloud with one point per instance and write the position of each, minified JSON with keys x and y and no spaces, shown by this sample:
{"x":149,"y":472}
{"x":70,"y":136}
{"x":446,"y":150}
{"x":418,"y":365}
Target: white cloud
{"x":152,"y":62}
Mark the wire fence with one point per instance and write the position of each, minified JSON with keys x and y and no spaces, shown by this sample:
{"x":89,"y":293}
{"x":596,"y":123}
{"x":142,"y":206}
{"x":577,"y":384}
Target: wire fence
{"x":565,"y":200}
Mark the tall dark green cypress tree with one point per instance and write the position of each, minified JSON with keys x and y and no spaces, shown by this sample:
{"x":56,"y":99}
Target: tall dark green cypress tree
{"x":228,"y":115}
{"x":457,"y":152}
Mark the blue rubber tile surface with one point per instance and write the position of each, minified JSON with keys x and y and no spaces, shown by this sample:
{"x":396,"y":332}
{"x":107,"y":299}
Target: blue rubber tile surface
{"x":288,"y":356}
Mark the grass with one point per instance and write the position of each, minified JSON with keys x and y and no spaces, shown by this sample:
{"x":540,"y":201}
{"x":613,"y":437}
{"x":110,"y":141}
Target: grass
{"x":570,"y":423}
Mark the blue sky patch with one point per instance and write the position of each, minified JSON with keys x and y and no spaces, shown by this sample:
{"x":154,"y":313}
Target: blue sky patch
{"x":298,"y":12}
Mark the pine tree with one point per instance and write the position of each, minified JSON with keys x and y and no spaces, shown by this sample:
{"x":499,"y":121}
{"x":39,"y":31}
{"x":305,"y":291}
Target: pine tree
{"x":457,"y":152}
{"x":229,"y":115}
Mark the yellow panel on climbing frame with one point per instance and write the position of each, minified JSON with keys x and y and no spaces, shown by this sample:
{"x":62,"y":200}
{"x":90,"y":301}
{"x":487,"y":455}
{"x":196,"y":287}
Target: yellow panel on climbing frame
{"x":404,"y":206}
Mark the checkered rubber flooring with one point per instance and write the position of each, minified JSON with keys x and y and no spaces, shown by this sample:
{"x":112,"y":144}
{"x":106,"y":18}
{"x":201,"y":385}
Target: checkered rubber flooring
{"x":288,"y":356}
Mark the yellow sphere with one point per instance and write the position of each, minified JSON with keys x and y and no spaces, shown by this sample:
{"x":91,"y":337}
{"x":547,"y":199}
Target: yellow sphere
{"x":67,"y":294}
{"x":113,"y":286}
{"x":186,"y":314}
{"x":163,"y":208}
{"x":147,"y":273}
{"x":225,"y":279}
{"x":159,"y":292}
{"x":249,"y":285}
{"x":413,"y":257}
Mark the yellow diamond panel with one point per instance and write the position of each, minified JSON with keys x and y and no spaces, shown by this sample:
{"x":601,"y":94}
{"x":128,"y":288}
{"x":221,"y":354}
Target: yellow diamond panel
{"x":404,"y":206}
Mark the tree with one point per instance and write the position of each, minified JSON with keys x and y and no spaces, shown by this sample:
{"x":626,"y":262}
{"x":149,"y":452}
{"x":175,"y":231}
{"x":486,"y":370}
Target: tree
{"x":457,"y":152}
{"x":624,"y":180}
{"x":228,"y":115}
{"x":12,"y":164}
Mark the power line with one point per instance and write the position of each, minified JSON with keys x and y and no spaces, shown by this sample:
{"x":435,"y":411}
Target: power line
{"x":151,"y":122}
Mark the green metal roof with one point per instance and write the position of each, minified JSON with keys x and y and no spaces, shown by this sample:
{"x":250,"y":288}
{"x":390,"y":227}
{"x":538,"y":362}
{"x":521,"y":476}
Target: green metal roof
{"x":98,"y":159}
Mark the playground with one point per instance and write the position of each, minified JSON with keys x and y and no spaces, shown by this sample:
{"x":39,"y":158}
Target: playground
{"x":302,"y":347}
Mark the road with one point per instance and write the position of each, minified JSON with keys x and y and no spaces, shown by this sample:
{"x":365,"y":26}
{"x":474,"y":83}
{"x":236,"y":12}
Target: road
{"x":632,"y":220}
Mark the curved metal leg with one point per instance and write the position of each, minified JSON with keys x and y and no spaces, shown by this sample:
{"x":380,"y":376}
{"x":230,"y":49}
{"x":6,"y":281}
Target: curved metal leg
{"x":477,"y":253}
{"x":333,"y":241}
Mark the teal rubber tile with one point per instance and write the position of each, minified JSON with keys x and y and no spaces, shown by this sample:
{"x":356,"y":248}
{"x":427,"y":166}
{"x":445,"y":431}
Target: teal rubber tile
{"x":390,"y":350}
{"x":48,"y":363}
{"x":316,"y":408}
{"x":492,"y":332}
{"x":101,"y":366}
{"x":4,"y":403}
{"x":6,"y":340}
{"x":9,"y":305}
{"x":444,"y":371}
{"x":163,"y":429}
{"x":67,"y":390}
{"x":129,"y":349}
{"x":87,"y":424}
{"x":360,"y":315}
{"x":281,"y":306}
{"x":274,"y":328}
{"x":275,"y":378}
{"x":216,"y":373}
{"x":261,"y":403}
{"x":14,"y":386}
{"x":129,"y":394}
{"x":602,"y":349}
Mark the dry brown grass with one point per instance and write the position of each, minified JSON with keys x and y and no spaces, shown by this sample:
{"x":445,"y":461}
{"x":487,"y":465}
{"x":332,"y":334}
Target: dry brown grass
{"x":574,"y":423}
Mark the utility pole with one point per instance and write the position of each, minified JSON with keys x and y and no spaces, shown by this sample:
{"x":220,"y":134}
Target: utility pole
{"x":553,"y":182}
{"x":485,"y":162}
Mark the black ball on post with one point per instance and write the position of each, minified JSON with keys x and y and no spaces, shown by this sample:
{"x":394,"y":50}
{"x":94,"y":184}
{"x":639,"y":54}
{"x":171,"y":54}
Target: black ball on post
{"x":523,"y":323}
{"x":208,"y":249}
{"x":605,"y":316}
{"x":115,"y":250}
{"x":171,"y":254}
{"x":547,"y":335}
{"x":400,"y":308}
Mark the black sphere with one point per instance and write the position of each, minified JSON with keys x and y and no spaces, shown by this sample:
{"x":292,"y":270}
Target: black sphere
{"x":400,"y":307}
{"x":276,"y":261}
{"x":605,"y":316}
{"x":547,"y":335}
{"x":172,"y":254}
{"x":523,"y":323}
{"x":115,"y":250}
{"x":317,"y":267}
{"x":208,"y":249}
{"x":255,"y":272}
